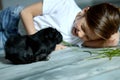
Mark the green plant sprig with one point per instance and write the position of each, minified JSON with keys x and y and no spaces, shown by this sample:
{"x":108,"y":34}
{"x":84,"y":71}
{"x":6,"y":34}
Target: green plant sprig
{"x":67,"y":44}
{"x":101,"y":53}
{"x":105,"y":53}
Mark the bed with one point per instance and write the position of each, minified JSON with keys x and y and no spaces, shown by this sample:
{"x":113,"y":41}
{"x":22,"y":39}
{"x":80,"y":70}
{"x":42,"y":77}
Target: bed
{"x":71,"y":63}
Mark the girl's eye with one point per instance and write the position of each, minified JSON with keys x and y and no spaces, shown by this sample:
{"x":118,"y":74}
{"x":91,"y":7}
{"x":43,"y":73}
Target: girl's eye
{"x":77,"y":30}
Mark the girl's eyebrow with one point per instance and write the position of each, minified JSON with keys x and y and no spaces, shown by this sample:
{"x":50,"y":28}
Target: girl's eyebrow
{"x":83,"y":28}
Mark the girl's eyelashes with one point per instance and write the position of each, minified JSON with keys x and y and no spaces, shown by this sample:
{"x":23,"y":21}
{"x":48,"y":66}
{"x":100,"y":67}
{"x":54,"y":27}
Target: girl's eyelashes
{"x":77,"y":30}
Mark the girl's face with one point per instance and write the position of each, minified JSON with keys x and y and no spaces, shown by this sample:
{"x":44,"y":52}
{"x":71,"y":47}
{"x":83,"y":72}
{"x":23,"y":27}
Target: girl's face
{"x":80,"y":28}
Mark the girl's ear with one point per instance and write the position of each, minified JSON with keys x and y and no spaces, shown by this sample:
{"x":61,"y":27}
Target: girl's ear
{"x":86,"y":9}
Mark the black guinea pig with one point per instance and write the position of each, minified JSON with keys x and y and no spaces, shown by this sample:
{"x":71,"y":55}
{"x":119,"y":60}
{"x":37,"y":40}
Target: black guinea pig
{"x":23,"y":49}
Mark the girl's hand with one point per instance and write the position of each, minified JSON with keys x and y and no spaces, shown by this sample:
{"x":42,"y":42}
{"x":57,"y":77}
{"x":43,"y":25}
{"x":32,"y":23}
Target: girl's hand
{"x":60,"y":46}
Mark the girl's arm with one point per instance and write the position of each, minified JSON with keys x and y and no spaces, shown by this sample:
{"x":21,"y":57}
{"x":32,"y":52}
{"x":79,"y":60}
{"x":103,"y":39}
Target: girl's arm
{"x":112,"y":41}
{"x":27,"y":15}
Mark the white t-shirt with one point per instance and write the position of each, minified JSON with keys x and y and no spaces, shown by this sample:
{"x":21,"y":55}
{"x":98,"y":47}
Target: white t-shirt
{"x":59,"y":14}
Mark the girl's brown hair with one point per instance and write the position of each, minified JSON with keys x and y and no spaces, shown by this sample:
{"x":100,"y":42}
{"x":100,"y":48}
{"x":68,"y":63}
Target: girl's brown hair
{"x":103,"y":19}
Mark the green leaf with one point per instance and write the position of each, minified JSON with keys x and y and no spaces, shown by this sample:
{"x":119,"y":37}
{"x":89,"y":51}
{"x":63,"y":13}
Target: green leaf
{"x":105,"y":53}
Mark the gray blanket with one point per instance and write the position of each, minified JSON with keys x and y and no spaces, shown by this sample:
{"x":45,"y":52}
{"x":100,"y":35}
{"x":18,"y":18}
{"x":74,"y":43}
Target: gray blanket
{"x":71,"y":63}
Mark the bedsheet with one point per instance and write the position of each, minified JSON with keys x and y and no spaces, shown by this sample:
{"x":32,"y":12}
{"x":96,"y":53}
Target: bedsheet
{"x":72,"y":63}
